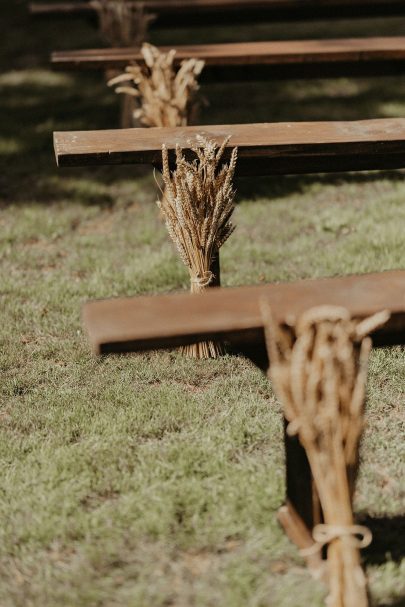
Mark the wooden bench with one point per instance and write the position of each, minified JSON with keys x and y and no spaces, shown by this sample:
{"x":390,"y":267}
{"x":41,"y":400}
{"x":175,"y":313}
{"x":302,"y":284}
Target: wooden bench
{"x":254,"y":60}
{"x":233,"y":315}
{"x":264,"y":149}
{"x":185,"y":12}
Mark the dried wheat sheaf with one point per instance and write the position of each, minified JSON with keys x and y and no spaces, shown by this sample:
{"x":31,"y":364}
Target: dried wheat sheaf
{"x":122,"y":22}
{"x":319,"y":370}
{"x":165,"y":95}
{"x":197,"y":207}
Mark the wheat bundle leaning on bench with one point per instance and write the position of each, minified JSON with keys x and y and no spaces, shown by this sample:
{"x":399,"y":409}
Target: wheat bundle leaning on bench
{"x":197,"y":205}
{"x":160,"y":93}
{"x":316,"y":332}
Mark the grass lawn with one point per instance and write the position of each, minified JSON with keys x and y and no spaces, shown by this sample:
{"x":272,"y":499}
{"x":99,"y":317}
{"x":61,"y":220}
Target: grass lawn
{"x":151,"y":480}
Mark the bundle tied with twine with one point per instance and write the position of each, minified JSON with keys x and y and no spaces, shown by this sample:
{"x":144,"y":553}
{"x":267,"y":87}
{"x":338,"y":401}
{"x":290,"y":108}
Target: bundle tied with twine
{"x":122,"y":22}
{"x":165,"y":95}
{"x":197,"y":206}
{"x":319,"y":370}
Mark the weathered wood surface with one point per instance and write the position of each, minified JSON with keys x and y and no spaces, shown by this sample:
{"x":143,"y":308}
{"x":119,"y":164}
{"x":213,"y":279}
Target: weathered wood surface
{"x":263,"y":60}
{"x":189,"y":12}
{"x":61,"y":8}
{"x":264,"y":149}
{"x":233,"y":315}
{"x":356,"y":50}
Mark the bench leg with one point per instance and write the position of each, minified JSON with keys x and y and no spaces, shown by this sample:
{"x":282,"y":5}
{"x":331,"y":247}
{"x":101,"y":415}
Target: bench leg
{"x":216,"y":270}
{"x":302,"y":510}
{"x":127,"y":120}
{"x":127,"y":104}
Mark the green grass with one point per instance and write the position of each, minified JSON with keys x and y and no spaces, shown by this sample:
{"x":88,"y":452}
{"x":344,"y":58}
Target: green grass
{"x":149,"y":481}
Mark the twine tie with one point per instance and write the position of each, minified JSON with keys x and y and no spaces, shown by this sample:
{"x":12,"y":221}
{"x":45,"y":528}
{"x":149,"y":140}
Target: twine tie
{"x":358,"y":536}
{"x":204,"y":280}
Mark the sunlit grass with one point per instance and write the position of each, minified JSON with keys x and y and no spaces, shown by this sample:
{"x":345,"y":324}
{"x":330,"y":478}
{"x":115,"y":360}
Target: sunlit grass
{"x":153,"y":480}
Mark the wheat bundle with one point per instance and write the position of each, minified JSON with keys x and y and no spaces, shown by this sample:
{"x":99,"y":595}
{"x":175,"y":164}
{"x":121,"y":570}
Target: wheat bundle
{"x":166,"y":96}
{"x":197,"y":207}
{"x":319,"y":369}
{"x":123,"y":23}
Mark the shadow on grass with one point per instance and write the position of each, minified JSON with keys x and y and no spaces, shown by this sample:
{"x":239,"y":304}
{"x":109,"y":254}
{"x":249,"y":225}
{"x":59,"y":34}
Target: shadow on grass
{"x":36,"y":101}
{"x":388,"y":539}
{"x":285,"y":186}
{"x":298,"y":100}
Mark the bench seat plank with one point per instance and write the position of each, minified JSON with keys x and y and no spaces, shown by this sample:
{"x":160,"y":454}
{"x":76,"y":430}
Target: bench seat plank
{"x":233,"y":314}
{"x":269,"y":148}
{"x":263,"y":60}
{"x":248,"y":53}
{"x":60,"y":8}
{"x":181,"y":12}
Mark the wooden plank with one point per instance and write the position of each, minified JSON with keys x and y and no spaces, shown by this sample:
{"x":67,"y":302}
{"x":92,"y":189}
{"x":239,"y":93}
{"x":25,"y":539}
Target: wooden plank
{"x":284,"y":53}
{"x":60,"y":8}
{"x":187,"y":12}
{"x":233,"y":315}
{"x":269,"y":148}
{"x":263,"y":60}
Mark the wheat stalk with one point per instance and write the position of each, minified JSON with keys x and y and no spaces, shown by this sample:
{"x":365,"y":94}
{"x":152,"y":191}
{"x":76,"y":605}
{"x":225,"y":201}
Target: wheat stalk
{"x":318,"y":369}
{"x":197,"y":207}
{"x":165,"y":95}
{"x":122,"y":22}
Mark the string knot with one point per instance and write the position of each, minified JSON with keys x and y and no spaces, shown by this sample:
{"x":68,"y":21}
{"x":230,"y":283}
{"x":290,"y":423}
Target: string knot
{"x":204,"y":280}
{"x":357,"y":535}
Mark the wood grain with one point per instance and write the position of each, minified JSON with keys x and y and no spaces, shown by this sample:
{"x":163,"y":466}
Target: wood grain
{"x":282,"y":53}
{"x":60,"y":8}
{"x":269,"y":148}
{"x":252,"y":61}
{"x":233,"y":315}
